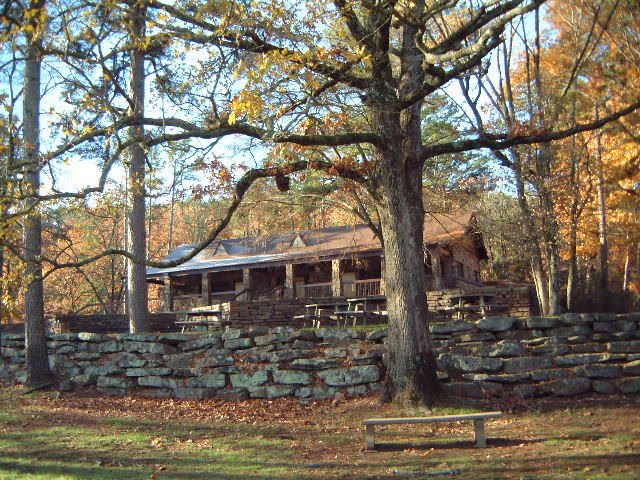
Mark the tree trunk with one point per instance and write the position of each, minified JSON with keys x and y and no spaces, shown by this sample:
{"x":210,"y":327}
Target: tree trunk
{"x":537,"y":266}
{"x":137,"y":301}
{"x":573,"y":264}
{"x":602,"y":225}
{"x":37,"y":359}
{"x":411,"y":366}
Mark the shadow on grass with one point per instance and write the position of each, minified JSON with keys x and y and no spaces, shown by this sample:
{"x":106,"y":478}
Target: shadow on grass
{"x":449,"y":445}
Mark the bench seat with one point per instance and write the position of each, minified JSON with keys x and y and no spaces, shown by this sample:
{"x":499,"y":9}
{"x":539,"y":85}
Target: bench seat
{"x":477,"y":418}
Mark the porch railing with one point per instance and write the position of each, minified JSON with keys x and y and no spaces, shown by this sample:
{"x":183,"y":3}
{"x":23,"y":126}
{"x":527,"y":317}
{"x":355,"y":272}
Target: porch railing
{"x":362,"y":288}
{"x":313,"y":290}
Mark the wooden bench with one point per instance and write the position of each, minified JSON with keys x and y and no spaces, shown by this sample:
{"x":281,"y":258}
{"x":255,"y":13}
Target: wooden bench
{"x":478,"y":423}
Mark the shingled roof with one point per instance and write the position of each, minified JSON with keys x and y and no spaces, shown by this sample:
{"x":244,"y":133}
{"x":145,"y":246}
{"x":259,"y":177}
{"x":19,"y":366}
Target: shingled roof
{"x":309,"y":245}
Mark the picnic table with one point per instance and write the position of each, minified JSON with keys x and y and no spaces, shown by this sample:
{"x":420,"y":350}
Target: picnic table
{"x":473,"y":302}
{"x":317,"y":312}
{"x":362,"y":307}
{"x":201,"y":318}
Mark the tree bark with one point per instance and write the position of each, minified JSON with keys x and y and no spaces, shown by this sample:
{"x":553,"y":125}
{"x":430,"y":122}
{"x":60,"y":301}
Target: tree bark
{"x":411,"y":366}
{"x":37,"y":359}
{"x":137,"y":301}
{"x":602,"y":225}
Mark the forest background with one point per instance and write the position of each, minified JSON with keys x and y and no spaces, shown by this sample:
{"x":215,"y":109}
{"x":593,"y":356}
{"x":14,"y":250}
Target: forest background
{"x":569,"y":210}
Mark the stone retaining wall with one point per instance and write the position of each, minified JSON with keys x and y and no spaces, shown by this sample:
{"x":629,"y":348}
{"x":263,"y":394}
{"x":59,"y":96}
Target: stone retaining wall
{"x":233,"y":365}
{"x":566,"y":355}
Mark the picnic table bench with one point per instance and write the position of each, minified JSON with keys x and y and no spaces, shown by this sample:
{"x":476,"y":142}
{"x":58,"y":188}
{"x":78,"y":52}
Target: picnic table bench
{"x":478,"y":423}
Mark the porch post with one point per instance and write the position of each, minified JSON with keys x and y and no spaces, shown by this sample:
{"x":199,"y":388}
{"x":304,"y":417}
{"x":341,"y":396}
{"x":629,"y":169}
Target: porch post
{"x":437,"y":269}
{"x":289,"y":282}
{"x":206,"y":290}
{"x":168,"y":293}
{"x":246,"y":282}
{"x":383,"y":270}
{"x":336,"y":278}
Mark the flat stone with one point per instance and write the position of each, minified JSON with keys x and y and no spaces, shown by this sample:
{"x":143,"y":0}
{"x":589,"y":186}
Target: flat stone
{"x":371,"y":358}
{"x":54,"y":336}
{"x":201,"y":342}
{"x":160,"y":382}
{"x":476,"y":337}
{"x":507,"y":378}
{"x":265,"y":340}
{"x":102,"y":370}
{"x":291,"y":377}
{"x":526,"y":364}
{"x":238,"y":343}
{"x":156,"y":392}
{"x":113,"y":391}
{"x":496,"y":324}
{"x":174,"y":338}
{"x":303,"y":344}
{"x":553,"y":350}
{"x":377,"y":335}
{"x":89,"y":347}
{"x":471,"y":389}
{"x":114,"y":382}
{"x":320,"y":392}
{"x":345,"y":377}
{"x":450,"y":327}
{"x":604,"y":327}
{"x":631,"y":368}
{"x":470,"y":363}
{"x":129,"y":360}
{"x":567,"y":387}
{"x":246,"y":380}
{"x":357,"y":390}
{"x":629,"y":385}
{"x":601,"y":386}
{"x":84,"y":380}
{"x":506,"y":348}
{"x":213,"y":381}
{"x":579,"y":359}
{"x":194,"y":393}
{"x":94,"y":337}
{"x":215,"y":361}
{"x":110,"y":347}
{"x":313,"y":364}
{"x":187,"y":372}
{"x":147,"y":347}
{"x":335,"y":352}
{"x":87,"y":356}
{"x":598,"y":371}
{"x":145,"y":372}
{"x":278,"y":391}
{"x":232,"y":334}
{"x":286,"y":355}
{"x":575,"y":330}
{"x":179,"y":360}
{"x":233,"y":394}
{"x":624,"y":347}
{"x":541,"y":322}
{"x":140,"y":337}
{"x":573,"y":319}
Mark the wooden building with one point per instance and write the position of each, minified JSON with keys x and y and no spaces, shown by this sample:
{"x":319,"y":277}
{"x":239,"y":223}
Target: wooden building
{"x":330,"y":262}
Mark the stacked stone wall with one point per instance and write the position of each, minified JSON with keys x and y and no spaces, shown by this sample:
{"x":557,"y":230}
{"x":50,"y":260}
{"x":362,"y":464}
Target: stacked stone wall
{"x":499,"y":356}
{"x":234,"y":365}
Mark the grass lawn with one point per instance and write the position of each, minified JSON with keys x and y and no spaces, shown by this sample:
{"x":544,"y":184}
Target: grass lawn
{"x":83,"y":435}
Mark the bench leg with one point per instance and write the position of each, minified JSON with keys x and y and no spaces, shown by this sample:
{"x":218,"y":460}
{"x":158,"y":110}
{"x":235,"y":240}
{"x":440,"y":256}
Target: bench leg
{"x":481,"y":439}
{"x":371,"y":436}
